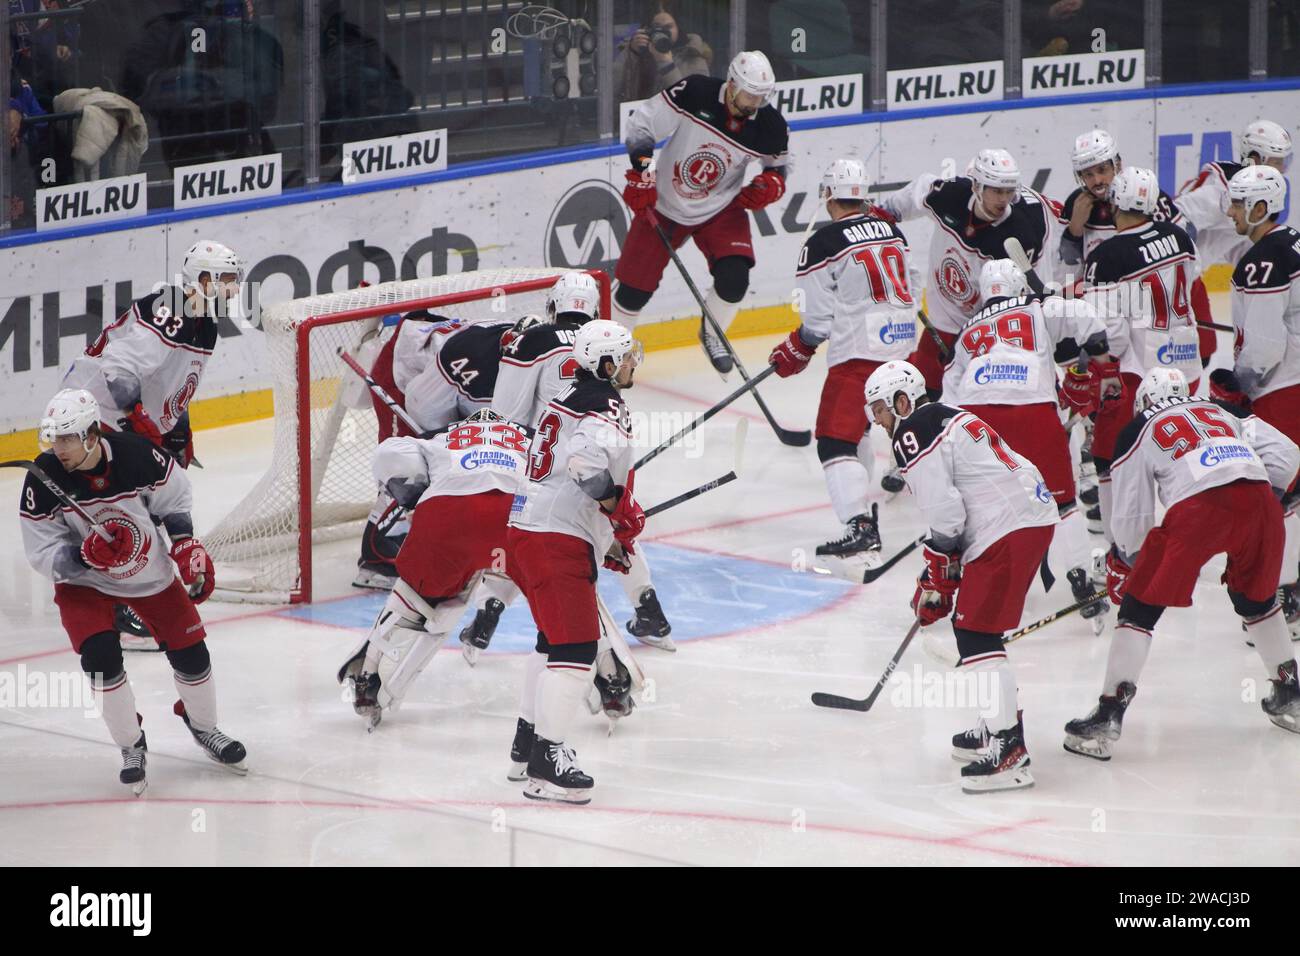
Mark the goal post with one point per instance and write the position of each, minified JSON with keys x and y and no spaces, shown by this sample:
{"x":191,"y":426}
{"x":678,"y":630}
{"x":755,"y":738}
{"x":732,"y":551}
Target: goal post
{"x":318,"y":487}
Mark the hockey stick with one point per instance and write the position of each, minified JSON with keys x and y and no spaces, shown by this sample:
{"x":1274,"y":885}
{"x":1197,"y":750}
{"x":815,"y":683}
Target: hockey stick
{"x":662,"y":446}
{"x":849,"y":703}
{"x":378,"y":391}
{"x":786,"y":435}
{"x":65,"y":499}
{"x":1063,"y":612}
{"x":945,"y":353}
{"x":1016,"y":253}
{"x":872,"y":573}
{"x":742,"y":428}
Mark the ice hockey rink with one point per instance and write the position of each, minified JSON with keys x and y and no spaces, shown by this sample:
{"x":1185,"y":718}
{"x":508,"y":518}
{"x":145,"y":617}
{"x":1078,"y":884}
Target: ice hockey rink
{"x":728,"y":763}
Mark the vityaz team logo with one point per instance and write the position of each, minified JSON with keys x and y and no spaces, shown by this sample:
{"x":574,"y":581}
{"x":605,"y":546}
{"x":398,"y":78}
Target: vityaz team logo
{"x":696,"y":176}
{"x":179,"y":402}
{"x":587,"y":228}
{"x":955,"y":281}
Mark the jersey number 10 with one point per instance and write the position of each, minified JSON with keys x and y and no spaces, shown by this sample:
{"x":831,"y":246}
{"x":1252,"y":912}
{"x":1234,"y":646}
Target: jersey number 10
{"x":885,"y":262}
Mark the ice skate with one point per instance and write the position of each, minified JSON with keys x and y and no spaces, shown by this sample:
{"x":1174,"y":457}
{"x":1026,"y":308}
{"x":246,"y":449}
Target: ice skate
{"x":475,"y":638}
{"x":225,"y":751}
{"x":1003,"y":765}
{"x":133,"y":633}
{"x":521,"y":751}
{"x":892,"y":481}
{"x":1092,"y":736}
{"x":554,"y":775}
{"x":134,"y":759}
{"x":1081,"y":587}
{"x":861,"y":538}
{"x":969,"y":745}
{"x":715,"y":349}
{"x":650,"y":626}
{"x":1283,"y":704}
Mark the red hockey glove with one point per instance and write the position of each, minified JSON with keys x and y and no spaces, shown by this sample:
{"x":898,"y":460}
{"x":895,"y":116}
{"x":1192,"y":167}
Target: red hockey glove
{"x":628,"y":518}
{"x":137,"y":420}
{"x":616,"y":559}
{"x":640,"y":193}
{"x":880,"y":212}
{"x":1225,"y":387}
{"x":763,"y":190}
{"x":1081,"y":390}
{"x":792,"y":356}
{"x":197,"y":573}
{"x":1109,"y":385}
{"x":937,"y":586}
{"x":1117,"y":572}
{"x":103,"y":555}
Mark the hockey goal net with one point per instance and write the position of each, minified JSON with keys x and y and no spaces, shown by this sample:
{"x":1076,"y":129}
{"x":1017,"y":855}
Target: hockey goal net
{"x":319,"y":486}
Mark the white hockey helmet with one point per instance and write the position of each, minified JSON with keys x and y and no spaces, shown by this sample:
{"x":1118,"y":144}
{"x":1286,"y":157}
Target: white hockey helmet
{"x":72,"y":411}
{"x":886,"y":382}
{"x":1135,"y":189}
{"x":996,"y":168}
{"x":1001,"y":279}
{"x":844,"y":179}
{"x":573,"y":292}
{"x":751,"y":73}
{"x":1256,"y":184}
{"x":212,"y":258}
{"x":601,"y":339}
{"x":1093,"y":148}
{"x":1157,"y":385}
{"x":1267,"y":140}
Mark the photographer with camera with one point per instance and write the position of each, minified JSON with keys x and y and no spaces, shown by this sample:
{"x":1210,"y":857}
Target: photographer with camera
{"x":660,"y":54}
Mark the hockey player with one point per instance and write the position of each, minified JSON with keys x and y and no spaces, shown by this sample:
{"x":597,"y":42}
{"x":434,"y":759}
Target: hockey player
{"x":1140,"y":283}
{"x":577,"y":504}
{"x":990,"y":517}
{"x":1003,"y":371}
{"x":460,"y":485}
{"x":714,"y":129}
{"x":853,"y":283}
{"x":1213,"y":470}
{"x":134,"y":492}
{"x":974,"y":215}
{"x":440,"y":370}
{"x":145,"y":368}
{"x":1090,"y":219}
{"x":536,"y":368}
{"x":1203,"y":200}
{"x":1266,"y":315}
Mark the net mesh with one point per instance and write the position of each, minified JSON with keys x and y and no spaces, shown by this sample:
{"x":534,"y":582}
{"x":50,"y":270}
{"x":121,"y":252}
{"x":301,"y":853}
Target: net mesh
{"x":256,"y":546}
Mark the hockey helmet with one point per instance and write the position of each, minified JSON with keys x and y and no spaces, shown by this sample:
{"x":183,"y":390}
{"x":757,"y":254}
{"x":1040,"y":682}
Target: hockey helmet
{"x":601,"y":339}
{"x":1256,"y":184}
{"x":750,"y":72}
{"x":996,"y":168}
{"x":1001,"y":279}
{"x":1135,"y":189}
{"x":892,"y":378}
{"x":212,"y":258}
{"x":72,"y":411}
{"x":1267,"y":140}
{"x":573,"y":292}
{"x":1093,"y":148}
{"x":1157,"y":385}
{"x":844,"y":179}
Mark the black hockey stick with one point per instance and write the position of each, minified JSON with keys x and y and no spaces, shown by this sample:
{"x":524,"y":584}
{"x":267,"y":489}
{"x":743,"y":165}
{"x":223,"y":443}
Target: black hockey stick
{"x":379,"y":391}
{"x":872,"y":573}
{"x":662,"y":446}
{"x":945,"y":353}
{"x":849,"y":703}
{"x":742,"y":429}
{"x":1051,"y":618}
{"x":786,"y":435}
{"x":65,"y":499}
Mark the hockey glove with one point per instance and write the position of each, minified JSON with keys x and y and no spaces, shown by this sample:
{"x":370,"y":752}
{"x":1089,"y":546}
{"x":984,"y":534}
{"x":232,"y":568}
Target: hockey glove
{"x":102,"y":555}
{"x":137,"y":420}
{"x":179,"y":442}
{"x":1081,"y":390}
{"x":936,"y":588}
{"x":627,"y":518}
{"x":1117,"y":572}
{"x":640,"y":192}
{"x":616,"y":559}
{"x":792,"y":355}
{"x":763,"y":190}
{"x":1109,"y":385}
{"x":197,"y":573}
{"x":1225,"y":387}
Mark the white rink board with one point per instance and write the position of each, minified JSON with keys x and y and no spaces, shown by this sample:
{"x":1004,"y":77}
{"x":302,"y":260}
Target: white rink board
{"x":514,"y":219}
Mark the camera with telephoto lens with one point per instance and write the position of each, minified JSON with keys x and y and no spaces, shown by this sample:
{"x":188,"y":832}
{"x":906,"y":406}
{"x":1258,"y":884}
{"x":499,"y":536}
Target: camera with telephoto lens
{"x":661,"y":38}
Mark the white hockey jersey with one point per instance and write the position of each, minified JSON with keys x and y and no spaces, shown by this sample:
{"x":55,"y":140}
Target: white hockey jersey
{"x":468,"y":459}
{"x":154,"y":354}
{"x":854,"y":284}
{"x":703,"y":165}
{"x":134,"y":484}
{"x":1140,"y":281}
{"x":535,"y":368}
{"x":1008,"y":353}
{"x":1183,"y":446}
{"x":971,"y":487}
{"x":1203,"y":202}
{"x":961,"y":243}
{"x":584,"y":433}
{"x":1266,"y":313}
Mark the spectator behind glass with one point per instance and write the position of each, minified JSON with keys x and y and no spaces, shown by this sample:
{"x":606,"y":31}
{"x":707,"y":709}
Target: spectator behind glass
{"x":19,"y":140}
{"x":1057,"y":27}
{"x":647,"y":70}
{"x":42,"y":49}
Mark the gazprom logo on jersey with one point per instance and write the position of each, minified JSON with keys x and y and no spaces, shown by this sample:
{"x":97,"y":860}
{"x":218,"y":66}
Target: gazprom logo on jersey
{"x":1002,"y":373}
{"x":587,"y":228}
{"x":1176,"y":353}
{"x":486,"y":458}
{"x":1218,"y":454}
{"x":892,"y":332}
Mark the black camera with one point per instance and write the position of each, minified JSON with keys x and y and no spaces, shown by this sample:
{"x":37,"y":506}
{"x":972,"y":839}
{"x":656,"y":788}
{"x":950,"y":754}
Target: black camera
{"x":661,"y":38}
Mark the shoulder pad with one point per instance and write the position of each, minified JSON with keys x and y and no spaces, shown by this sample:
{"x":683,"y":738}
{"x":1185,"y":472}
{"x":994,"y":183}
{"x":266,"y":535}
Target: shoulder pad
{"x":919,"y":432}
